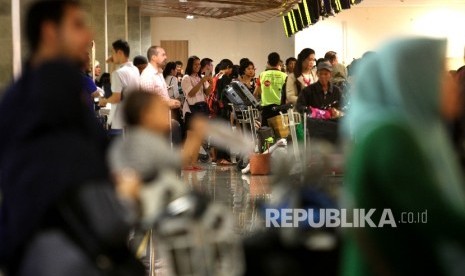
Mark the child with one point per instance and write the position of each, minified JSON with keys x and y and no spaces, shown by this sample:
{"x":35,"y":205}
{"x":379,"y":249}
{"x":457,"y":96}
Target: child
{"x":145,"y":148}
{"x":145,"y":165}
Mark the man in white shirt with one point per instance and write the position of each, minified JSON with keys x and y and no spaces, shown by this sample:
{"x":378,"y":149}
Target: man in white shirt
{"x":152,"y":80}
{"x":124,"y":80}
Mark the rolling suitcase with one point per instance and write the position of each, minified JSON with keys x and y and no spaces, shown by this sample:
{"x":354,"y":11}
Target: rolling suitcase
{"x":239,"y":95}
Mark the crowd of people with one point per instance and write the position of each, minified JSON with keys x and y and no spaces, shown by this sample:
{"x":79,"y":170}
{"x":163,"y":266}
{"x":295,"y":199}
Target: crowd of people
{"x":199,"y":89}
{"x":71,"y":186}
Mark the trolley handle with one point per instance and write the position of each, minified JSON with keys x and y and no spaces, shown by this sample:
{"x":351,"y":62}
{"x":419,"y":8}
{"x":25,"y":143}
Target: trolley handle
{"x":292,"y":119}
{"x":282,"y":108}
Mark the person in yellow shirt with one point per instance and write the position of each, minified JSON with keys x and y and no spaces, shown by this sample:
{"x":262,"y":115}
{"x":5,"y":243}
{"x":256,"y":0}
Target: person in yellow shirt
{"x":269,"y":86}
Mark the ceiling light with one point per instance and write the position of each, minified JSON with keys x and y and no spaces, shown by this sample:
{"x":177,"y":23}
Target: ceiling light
{"x":189,"y":16}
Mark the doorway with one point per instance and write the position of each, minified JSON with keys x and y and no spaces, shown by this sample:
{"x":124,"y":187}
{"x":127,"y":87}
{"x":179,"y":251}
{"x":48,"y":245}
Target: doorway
{"x":176,"y":50}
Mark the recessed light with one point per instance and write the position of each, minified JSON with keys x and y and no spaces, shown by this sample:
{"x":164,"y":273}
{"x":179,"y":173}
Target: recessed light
{"x":189,"y":16}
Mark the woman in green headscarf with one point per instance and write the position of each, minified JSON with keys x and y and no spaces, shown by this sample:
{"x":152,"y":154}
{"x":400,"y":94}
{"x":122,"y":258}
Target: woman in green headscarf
{"x":399,"y":158}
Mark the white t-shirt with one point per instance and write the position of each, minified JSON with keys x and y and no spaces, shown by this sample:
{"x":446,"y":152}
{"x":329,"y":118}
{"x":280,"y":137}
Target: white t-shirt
{"x":124,"y":80}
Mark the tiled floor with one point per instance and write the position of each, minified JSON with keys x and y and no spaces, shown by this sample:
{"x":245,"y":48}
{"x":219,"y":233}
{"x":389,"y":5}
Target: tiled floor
{"x":242,"y":193}
{"x":228,"y":186}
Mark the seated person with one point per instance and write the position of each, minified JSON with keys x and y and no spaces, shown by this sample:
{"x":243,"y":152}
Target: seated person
{"x":322,"y":99}
{"x":321,"y":95}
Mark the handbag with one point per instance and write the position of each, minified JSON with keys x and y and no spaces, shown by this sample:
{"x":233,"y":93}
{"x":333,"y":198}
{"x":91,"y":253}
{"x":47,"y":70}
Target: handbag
{"x":99,"y":224}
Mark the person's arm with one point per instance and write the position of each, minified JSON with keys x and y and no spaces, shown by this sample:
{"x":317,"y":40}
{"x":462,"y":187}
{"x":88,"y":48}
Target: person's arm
{"x":170,"y":82}
{"x":91,"y":88}
{"x":209,"y":88}
{"x":174,"y":104}
{"x":193,"y":89}
{"x":98,"y":93}
{"x":291,"y":89}
{"x":113,"y":99}
{"x":390,"y":162}
{"x":258,"y":89}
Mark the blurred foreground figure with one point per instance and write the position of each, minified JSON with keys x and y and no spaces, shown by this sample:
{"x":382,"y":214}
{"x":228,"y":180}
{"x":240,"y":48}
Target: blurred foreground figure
{"x":59,"y":213}
{"x":187,"y":226}
{"x":400,"y":158}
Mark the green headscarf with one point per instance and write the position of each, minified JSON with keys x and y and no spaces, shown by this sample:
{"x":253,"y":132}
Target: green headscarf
{"x":401,"y":83}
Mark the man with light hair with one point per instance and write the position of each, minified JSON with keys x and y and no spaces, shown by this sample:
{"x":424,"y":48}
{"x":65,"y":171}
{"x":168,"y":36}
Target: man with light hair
{"x":152,"y":81}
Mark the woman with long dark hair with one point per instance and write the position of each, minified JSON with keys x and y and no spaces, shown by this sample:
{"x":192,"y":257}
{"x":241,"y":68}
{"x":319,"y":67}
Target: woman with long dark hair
{"x":303,"y":75}
{"x":169,"y":73}
{"x":195,"y":88}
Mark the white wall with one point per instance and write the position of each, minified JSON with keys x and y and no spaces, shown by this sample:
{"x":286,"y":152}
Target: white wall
{"x":219,"y":39}
{"x":353,"y":32}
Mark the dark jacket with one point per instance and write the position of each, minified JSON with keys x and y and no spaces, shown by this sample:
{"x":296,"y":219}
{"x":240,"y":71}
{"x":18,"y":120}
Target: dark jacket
{"x":314,"y":96}
{"x":50,"y":147}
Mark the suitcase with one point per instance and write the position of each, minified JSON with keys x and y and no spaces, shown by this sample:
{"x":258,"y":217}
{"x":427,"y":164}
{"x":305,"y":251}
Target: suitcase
{"x":233,"y":96}
{"x":239,"y":95}
{"x":327,"y":130}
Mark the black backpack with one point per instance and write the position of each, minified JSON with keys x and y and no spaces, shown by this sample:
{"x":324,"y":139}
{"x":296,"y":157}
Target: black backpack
{"x":283,"y":93}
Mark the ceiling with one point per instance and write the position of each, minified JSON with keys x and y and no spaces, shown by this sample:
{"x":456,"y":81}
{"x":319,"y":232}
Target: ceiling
{"x":249,"y":10}
{"x":235,"y":10}
{"x":407,"y":3}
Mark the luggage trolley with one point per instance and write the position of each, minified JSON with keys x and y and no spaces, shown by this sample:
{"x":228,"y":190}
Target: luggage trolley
{"x":247,"y":121}
{"x":291,"y":120}
{"x":245,"y":106}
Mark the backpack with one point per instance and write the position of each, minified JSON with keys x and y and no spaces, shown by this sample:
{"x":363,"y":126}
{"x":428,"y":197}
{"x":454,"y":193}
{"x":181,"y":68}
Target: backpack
{"x":284,"y":93}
